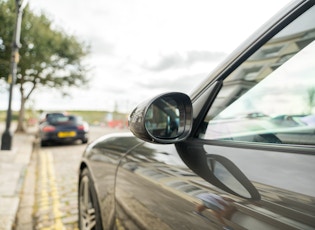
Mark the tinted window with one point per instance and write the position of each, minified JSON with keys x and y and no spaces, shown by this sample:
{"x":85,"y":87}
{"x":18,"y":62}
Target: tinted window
{"x":270,"y":98}
{"x":64,"y":120}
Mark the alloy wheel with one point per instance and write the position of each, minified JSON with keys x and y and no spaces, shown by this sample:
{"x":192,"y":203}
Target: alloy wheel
{"x":87,"y":214}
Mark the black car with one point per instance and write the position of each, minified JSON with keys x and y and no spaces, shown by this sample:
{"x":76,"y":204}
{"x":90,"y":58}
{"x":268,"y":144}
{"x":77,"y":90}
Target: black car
{"x":62,"y":128}
{"x":199,"y":162}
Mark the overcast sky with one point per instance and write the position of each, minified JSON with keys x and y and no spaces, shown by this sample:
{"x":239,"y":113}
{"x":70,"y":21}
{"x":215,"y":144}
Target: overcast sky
{"x":143,"y":47}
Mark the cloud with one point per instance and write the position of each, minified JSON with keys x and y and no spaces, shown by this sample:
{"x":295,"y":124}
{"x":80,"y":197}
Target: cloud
{"x":141,"y":48}
{"x":101,"y":47}
{"x":176,"y":60}
{"x":179,"y":83}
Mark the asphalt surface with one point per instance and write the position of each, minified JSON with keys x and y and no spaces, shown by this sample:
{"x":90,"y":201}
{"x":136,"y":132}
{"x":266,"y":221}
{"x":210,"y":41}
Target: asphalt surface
{"x":14,"y":169}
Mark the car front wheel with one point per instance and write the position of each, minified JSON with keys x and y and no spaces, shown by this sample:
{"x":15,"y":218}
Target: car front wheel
{"x":89,"y":214}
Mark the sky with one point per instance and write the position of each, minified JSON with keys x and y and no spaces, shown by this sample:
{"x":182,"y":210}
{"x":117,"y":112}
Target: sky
{"x":142,"y":48}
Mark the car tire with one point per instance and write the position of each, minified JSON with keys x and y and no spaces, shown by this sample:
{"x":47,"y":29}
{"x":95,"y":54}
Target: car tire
{"x":43,"y":143}
{"x":89,"y":211}
{"x":84,"y":141}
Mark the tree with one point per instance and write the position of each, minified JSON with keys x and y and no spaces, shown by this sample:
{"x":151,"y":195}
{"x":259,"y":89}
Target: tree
{"x":7,"y":19}
{"x":49,"y":57}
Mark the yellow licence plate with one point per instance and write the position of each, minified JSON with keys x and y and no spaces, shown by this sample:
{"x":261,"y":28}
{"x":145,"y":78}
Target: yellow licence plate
{"x":67,"y":134}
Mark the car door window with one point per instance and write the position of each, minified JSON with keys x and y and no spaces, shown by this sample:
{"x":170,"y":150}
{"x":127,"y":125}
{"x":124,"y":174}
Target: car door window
{"x":270,"y":98}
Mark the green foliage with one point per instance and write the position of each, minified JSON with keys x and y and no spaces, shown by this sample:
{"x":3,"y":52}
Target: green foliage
{"x":7,"y":18}
{"x":96,"y":117}
{"x":3,"y":116}
{"x":90,"y":116}
{"x":48,"y":57}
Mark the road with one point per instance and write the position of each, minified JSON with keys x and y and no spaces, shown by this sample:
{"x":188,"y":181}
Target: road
{"x":56,"y":183}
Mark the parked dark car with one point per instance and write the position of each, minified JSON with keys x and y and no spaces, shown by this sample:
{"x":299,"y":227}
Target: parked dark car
{"x":61,"y":128}
{"x":196,"y":162}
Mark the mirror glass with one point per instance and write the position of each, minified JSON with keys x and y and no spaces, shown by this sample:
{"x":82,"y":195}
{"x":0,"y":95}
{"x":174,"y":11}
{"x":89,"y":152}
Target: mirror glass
{"x":222,"y":170}
{"x":163,"y":118}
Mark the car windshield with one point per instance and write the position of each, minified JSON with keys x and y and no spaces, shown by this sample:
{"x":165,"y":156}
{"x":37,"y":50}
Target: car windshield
{"x":272,"y":93}
{"x":57,"y":120}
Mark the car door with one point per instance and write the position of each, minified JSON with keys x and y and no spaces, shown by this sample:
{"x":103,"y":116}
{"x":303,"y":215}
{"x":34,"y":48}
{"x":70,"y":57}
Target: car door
{"x":156,"y":190}
{"x":252,"y":142}
{"x":263,"y":120}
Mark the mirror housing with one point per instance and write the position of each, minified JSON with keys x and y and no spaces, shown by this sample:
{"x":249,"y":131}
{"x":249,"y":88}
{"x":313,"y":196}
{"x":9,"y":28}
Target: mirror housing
{"x":164,"y":119}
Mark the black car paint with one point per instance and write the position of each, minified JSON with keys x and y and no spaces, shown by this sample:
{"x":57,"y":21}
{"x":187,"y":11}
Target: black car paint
{"x":145,"y":191}
{"x":133,"y":190}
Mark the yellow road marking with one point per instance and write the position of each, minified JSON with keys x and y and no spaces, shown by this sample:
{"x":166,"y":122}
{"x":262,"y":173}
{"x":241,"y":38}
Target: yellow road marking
{"x":119,"y":225}
{"x":49,"y":191}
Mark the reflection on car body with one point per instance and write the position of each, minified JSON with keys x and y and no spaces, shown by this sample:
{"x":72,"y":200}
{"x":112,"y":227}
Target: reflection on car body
{"x":144,"y":177}
{"x":263,"y":161}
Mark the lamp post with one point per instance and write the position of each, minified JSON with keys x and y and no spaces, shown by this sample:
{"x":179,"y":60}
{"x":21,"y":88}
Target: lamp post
{"x":6,"y":140}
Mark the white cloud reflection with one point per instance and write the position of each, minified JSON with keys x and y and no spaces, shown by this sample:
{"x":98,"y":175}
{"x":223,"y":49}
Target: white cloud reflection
{"x":283,"y":92}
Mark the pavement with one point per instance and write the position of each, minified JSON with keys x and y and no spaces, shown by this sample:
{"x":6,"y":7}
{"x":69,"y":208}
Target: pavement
{"x":14,"y":168}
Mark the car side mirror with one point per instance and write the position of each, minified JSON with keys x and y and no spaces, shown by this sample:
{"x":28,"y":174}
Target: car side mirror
{"x":164,"y":119}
